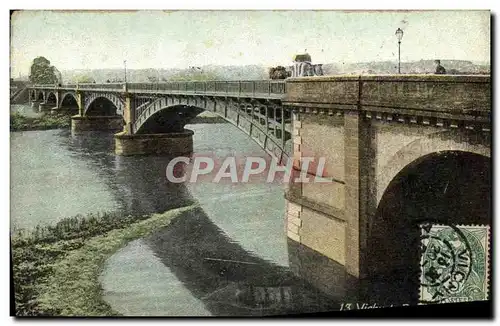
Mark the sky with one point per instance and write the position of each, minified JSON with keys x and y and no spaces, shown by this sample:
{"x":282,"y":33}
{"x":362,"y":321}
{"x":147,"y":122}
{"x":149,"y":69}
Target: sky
{"x":179,"y":39}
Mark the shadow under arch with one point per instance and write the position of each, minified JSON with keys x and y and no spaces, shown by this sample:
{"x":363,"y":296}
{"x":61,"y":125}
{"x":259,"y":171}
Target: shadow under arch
{"x":457,"y":140}
{"x":169,"y":119}
{"x":51,"y":98}
{"x":101,"y":106}
{"x":68,"y":100}
{"x":448,"y":187}
{"x":174,"y":118}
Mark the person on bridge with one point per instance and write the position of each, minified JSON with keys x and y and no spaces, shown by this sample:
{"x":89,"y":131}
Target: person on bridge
{"x":439,"y":69}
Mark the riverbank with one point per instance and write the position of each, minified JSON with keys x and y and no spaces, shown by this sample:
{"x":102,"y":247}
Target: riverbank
{"x":20,"y":122}
{"x":56,"y":268}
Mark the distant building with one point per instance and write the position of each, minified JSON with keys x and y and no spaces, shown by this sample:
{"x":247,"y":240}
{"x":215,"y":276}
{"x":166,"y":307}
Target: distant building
{"x":302,"y":66}
{"x":302,"y":58}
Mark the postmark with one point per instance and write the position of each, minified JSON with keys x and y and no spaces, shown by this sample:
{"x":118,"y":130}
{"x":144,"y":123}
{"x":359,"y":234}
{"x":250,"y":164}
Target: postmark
{"x":454,"y":263}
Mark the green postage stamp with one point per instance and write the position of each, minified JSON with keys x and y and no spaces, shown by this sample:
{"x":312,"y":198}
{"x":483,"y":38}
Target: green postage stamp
{"x":454,"y":263}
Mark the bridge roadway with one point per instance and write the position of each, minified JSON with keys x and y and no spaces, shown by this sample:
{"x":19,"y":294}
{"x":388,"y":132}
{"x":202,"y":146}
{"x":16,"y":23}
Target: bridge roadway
{"x":400,"y":150}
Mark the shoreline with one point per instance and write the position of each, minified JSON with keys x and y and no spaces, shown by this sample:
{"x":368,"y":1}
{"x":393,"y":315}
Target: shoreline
{"x":46,"y":121}
{"x":63,"y":276}
{"x":51,"y":121}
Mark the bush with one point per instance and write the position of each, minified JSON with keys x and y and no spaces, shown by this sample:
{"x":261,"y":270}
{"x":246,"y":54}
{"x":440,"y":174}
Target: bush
{"x":20,"y":122}
{"x":34,"y":253}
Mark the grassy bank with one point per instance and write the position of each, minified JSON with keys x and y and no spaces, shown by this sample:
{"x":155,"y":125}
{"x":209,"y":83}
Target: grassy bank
{"x":19,"y":122}
{"x":56,"y":268}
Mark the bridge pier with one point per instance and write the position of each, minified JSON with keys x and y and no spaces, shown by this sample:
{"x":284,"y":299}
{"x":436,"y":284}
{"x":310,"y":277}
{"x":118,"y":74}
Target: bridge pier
{"x":174,"y":143}
{"x":35,"y":104}
{"x":55,"y":110}
{"x":94,"y":123}
{"x":369,"y":138}
{"x":45,"y":107}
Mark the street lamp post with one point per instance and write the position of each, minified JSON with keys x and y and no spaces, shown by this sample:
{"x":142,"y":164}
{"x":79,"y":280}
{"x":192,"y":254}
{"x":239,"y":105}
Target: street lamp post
{"x":399,"y":35}
{"x":125,"y":69}
{"x":157,"y":79}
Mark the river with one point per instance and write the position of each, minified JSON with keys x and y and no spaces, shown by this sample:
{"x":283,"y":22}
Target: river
{"x":229,"y":257}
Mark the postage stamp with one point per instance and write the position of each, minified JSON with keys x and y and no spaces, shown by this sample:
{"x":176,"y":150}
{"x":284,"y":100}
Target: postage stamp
{"x":454,"y":263}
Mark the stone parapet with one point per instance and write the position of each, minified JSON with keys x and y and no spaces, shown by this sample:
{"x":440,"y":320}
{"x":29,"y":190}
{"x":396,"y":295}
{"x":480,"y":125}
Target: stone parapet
{"x":450,"y":96}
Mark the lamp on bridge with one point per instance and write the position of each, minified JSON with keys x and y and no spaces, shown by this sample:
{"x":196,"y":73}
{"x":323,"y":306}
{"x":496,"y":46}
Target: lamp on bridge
{"x":399,"y":35}
{"x":125,"y":73}
{"x":125,"y":69}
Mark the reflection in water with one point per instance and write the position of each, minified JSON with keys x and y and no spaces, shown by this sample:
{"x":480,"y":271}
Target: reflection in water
{"x":223,"y":277}
{"x":57,"y":175}
{"x":50,"y":183}
{"x":138,"y":183}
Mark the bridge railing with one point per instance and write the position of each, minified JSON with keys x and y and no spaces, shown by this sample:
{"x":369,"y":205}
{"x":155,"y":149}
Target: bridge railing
{"x":44,"y":86}
{"x":243,"y":87}
{"x":52,"y":86}
{"x":113,"y":86}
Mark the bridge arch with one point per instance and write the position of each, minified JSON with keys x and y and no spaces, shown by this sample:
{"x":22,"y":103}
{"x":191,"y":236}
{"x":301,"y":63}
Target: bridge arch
{"x":41,"y":96}
{"x":68,"y":100}
{"x":172,"y":118}
{"x":51,"y":98}
{"x":173,"y":114}
{"x":457,"y":140}
{"x":103,"y":104}
{"x":450,"y":187}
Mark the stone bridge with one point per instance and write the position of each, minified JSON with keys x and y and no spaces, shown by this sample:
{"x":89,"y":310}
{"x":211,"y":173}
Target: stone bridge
{"x":400,"y":150}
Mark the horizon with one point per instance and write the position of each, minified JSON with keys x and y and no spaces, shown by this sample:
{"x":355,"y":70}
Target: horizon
{"x":180,"y":39}
{"x":478,"y":63}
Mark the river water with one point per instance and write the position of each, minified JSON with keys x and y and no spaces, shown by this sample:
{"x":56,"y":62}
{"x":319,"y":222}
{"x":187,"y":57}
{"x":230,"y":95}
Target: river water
{"x":229,"y":257}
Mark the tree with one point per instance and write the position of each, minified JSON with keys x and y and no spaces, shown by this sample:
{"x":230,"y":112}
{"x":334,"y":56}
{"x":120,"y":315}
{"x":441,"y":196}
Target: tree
{"x":42,"y":72}
{"x":278,"y":72}
{"x":58,"y":74}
